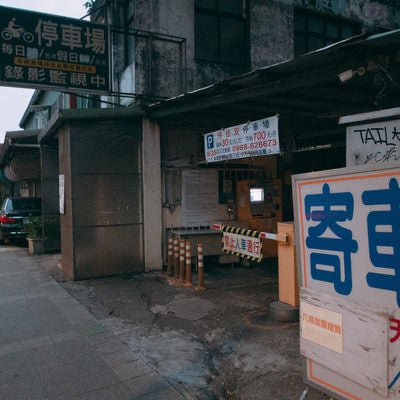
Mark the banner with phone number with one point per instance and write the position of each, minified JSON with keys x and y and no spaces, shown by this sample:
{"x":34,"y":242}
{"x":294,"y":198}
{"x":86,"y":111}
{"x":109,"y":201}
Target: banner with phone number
{"x":252,"y":139}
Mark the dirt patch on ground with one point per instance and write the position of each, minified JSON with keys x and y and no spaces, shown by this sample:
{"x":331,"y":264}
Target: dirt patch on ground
{"x":215,"y":344}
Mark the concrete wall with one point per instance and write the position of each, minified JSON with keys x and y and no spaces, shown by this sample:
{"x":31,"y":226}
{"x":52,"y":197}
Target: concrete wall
{"x":380,"y":14}
{"x":151,"y":196}
{"x":102,"y":229}
{"x":50,"y":195}
{"x":38,"y":119}
{"x":67,"y":234}
{"x":183,"y":151}
{"x":271,"y":32}
{"x":167,"y":66}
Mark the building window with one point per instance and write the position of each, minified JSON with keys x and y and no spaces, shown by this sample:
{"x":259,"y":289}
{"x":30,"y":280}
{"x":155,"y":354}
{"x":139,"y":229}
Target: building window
{"x":221,"y":31}
{"x":313,"y":31}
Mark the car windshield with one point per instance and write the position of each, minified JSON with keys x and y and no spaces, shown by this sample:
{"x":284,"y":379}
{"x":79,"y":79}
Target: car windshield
{"x":26,"y":204}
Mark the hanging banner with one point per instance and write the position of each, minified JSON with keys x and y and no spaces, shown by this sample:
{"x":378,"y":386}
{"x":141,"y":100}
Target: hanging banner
{"x":253,"y":139}
{"x":47,"y":51}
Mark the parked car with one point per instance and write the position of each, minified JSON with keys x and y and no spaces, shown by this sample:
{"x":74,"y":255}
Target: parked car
{"x":14,"y":215}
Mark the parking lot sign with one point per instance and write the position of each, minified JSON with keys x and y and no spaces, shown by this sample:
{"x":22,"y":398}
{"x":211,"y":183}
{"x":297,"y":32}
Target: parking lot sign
{"x":348,"y":246}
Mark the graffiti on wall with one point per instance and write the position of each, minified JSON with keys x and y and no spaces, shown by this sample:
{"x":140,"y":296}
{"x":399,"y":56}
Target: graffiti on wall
{"x":373,"y":143}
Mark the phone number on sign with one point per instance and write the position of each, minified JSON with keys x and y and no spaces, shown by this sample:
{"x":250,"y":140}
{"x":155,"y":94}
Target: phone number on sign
{"x":255,"y":145}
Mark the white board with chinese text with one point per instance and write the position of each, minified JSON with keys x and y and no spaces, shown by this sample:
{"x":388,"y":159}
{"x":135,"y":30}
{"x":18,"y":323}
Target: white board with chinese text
{"x":348,"y":245}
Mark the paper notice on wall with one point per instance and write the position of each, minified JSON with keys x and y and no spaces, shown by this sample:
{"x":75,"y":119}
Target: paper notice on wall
{"x":61,"y":191}
{"x":322,"y":326}
{"x":199,"y":197}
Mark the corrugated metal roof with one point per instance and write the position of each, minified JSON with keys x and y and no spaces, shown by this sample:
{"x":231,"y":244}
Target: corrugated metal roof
{"x":290,"y":86}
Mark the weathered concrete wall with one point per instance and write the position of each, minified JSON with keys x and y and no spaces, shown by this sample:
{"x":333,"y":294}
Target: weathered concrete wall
{"x":272,"y":23}
{"x":271,"y":32}
{"x":377,"y":13}
{"x":50,"y":196}
{"x":102,"y":225}
{"x":151,"y":196}
{"x":166,"y":67}
{"x":184,"y":150}
{"x":67,"y":244}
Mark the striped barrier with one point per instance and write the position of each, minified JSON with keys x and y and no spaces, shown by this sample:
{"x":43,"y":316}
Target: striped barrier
{"x":245,"y":243}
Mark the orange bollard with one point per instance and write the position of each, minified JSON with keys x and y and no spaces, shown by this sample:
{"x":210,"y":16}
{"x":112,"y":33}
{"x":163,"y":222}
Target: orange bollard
{"x":170,"y":260}
{"x":176,"y":258}
{"x":200,"y":266}
{"x":188,"y":278}
{"x":182,"y":260}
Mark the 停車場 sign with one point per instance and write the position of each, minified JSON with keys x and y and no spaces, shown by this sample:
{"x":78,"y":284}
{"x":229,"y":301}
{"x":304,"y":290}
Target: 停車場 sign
{"x":348,"y":247}
{"x":47,"y":51}
{"x":257,"y":138}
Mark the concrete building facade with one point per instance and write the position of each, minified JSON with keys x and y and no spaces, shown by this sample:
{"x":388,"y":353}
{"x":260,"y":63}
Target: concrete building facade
{"x":126,"y":167}
{"x":164,"y":48}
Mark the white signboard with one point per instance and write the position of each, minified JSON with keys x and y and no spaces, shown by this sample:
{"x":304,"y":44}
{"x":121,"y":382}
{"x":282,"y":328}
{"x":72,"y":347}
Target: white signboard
{"x":61,"y":192}
{"x":347,"y":236}
{"x":257,"y":138}
{"x":373,"y":143}
{"x":243,"y":245}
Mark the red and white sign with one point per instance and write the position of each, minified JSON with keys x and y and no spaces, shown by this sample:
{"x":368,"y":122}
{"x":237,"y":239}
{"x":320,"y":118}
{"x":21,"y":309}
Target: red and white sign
{"x":240,"y":244}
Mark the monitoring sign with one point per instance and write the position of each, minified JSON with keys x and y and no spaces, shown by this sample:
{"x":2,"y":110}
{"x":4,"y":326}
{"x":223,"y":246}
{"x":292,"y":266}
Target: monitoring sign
{"x":48,"y":51}
{"x":252,"y":139}
{"x":347,"y":238}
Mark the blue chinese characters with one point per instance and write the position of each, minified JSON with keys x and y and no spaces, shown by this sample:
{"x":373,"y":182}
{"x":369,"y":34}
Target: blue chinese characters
{"x":384,"y":237}
{"x":330,"y":243}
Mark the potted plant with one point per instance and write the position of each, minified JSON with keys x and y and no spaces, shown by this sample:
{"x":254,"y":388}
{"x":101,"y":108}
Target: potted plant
{"x":34,"y":234}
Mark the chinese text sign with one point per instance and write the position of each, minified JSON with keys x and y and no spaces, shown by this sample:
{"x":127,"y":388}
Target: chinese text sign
{"x":43,"y":50}
{"x":348,"y":237}
{"x":244,"y":245}
{"x":257,"y":138}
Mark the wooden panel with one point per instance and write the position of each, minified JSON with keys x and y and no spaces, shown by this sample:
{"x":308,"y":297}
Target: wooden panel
{"x":288,"y":282}
{"x":364,"y":355}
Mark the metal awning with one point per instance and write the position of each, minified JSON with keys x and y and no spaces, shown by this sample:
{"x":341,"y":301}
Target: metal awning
{"x":20,"y":159}
{"x":309,"y":93}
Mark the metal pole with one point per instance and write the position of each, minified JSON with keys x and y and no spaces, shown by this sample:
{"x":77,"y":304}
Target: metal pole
{"x":200,"y":265}
{"x":170,"y":261}
{"x":182,"y":261}
{"x":188,"y":278}
{"x":176,"y":258}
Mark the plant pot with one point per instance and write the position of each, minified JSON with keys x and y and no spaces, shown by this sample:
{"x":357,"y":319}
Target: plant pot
{"x":35,"y":246}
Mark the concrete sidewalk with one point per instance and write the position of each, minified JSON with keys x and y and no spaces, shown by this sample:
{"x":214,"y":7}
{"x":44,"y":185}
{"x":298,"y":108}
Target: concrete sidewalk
{"x":51,"y":347}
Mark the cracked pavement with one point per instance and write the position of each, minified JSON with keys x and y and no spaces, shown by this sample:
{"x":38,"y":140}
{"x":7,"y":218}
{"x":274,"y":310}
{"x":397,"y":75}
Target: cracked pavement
{"x":219,"y":343}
